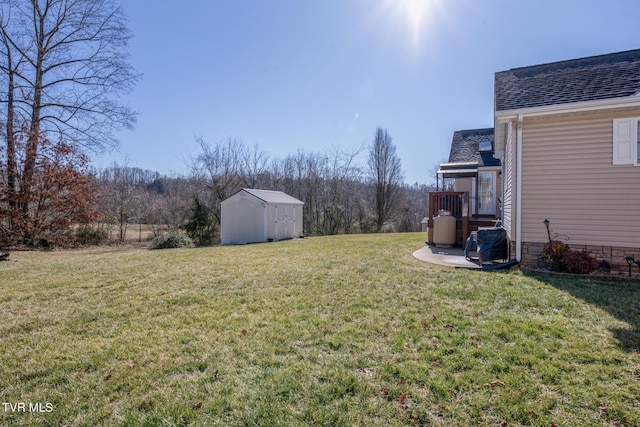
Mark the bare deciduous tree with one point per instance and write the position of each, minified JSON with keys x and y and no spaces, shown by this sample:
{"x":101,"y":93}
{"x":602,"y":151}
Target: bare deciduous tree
{"x":255,"y":165}
{"x":385,"y":171}
{"x":63,"y":69}
{"x":121,"y":197}
{"x":341,"y":195}
{"x":220,"y":168}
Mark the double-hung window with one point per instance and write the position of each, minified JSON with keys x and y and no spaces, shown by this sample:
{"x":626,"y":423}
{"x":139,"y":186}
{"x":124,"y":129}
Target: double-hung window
{"x":626,"y":141}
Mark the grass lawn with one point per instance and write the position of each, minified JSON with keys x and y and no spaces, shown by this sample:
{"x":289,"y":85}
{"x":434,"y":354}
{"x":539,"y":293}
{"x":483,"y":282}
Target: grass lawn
{"x":345,"y":330}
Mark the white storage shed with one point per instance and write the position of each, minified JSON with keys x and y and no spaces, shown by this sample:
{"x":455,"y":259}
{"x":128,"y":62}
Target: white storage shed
{"x":251,"y":216}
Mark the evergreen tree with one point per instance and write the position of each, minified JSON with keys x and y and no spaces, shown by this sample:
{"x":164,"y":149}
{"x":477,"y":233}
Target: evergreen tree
{"x":200,"y":227}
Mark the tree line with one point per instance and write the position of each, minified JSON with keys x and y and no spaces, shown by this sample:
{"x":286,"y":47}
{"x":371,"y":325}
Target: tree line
{"x":64,"y":72}
{"x":342,"y":195}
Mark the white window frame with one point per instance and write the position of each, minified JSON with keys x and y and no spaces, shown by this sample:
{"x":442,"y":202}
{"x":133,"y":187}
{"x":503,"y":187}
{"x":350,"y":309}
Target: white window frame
{"x":626,"y":141}
{"x":491,"y":209}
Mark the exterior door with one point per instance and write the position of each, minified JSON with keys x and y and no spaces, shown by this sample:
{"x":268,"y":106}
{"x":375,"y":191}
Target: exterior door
{"x":486,"y":193}
{"x":284,"y":222}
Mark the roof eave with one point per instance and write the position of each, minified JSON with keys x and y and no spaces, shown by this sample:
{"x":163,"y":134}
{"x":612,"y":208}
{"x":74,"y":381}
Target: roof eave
{"x":574,"y":107}
{"x":459,"y":164}
{"x":459,"y":174}
{"x":458,"y":169}
{"x":253,"y":192}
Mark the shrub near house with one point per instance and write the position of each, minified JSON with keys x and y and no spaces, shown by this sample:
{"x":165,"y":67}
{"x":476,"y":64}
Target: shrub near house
{"x":567,"y":260}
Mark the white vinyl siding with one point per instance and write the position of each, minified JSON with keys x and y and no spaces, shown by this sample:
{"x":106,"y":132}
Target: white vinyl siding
{"x":463,"y":184}
{"x":568,"y":178}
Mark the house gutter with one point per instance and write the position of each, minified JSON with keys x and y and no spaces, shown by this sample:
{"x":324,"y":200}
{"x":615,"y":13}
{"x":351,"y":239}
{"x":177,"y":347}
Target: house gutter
{"x":519,"y":188}
{"x":570,"y":108}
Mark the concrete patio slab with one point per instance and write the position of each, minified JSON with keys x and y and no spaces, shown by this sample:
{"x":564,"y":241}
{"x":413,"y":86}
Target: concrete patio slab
{"x":451,"y":257}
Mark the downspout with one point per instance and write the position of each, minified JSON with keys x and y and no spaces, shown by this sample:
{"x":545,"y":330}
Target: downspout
{"x":519,"y":188}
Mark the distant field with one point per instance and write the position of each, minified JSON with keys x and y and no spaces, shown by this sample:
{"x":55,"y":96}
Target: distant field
{"x":134,"y":233}
{"x":336,"y":331}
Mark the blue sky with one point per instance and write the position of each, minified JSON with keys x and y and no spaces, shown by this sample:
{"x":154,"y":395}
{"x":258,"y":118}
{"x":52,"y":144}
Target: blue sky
{"x":320,"y":74}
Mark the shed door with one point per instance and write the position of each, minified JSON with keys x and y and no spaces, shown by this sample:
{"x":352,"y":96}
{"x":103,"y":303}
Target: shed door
{"x":284,"y":222}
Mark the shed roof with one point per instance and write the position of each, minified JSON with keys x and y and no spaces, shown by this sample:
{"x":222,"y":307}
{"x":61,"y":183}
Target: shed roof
{"x":276,"y":197}
{"x":593,"y":78}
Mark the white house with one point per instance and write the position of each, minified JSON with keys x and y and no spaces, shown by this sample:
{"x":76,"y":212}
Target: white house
{"x":251,"y":216}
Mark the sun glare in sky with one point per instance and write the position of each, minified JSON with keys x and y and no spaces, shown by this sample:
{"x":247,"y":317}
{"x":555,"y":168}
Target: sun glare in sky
{"x":420,"y":14}
{"x":416,"y":10}
{"x":417,"y":16}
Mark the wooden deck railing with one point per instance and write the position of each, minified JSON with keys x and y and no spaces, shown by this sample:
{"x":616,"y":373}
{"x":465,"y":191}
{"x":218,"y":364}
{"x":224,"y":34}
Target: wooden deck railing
{"x":455,"y":202}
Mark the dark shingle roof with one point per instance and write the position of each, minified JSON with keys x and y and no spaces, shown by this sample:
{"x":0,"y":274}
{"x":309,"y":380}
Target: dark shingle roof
{"x":464,"y":145}
{"x":586,"y":79}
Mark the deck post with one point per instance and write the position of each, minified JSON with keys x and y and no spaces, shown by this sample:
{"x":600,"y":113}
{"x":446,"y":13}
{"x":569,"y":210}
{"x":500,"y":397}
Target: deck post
{"x":465,"y":217}
{"x":433,"y":204}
